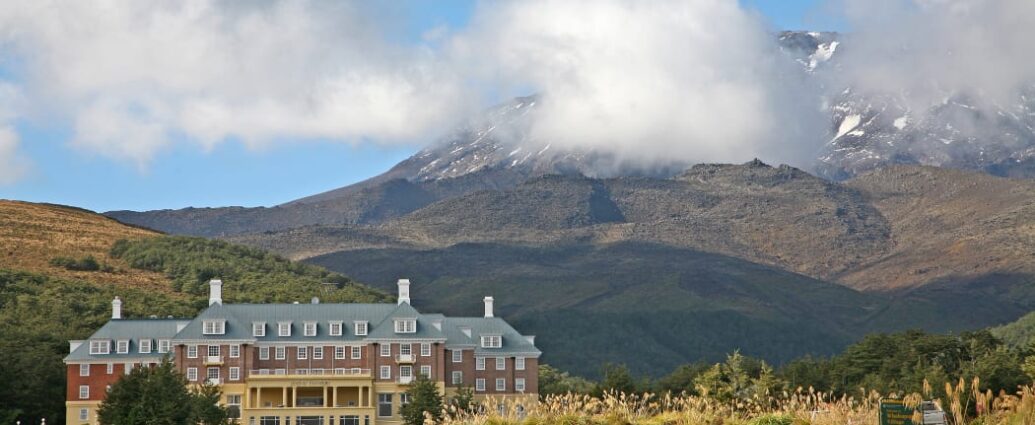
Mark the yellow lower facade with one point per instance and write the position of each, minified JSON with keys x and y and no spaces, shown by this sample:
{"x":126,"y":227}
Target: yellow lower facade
{"x":312,"y":400}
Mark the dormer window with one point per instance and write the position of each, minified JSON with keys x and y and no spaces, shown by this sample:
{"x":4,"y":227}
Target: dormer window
{"x":145,"y":346}
{"x":360,"y":328}
{"x":284,"y":329}
{"x":492,"y":341}
{"x":213,"y":327}
{"x":309,"y":329}
{"x":122,"y":346}
{"x":100,"y":347}
{"x":405,"y":326}
{"x":163,"y":346}
{"x":334,"y":328}
{"x":258,"y":328}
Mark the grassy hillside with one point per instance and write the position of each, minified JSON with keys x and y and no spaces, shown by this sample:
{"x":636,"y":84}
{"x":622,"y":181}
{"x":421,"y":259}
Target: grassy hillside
{"x":1019,"y":333}
{"x":43,"y":303}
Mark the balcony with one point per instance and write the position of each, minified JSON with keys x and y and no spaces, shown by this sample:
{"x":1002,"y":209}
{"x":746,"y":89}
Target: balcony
{"x":213,"y":381}
{"x":405,"y":380}
{"x":405,"y":358}
{"x":342,"y":372}
{"x":213,"y":360}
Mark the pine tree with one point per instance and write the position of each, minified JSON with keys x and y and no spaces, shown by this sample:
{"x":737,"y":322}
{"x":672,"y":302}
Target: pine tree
{"x":424,"y":398}
{"x":159,"y":396}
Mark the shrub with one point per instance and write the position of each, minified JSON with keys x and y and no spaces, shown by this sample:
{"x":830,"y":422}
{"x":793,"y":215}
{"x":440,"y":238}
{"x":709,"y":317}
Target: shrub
{"x":87,"y":263}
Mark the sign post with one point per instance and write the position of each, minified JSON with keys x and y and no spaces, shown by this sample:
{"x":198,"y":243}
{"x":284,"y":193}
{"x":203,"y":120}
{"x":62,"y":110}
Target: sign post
{"x":895,"y":412}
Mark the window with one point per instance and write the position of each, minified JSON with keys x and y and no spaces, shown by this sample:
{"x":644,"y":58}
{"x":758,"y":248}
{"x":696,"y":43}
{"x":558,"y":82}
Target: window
{"x":501,"y":363}
{"x":303,"y":352}
{"x":144,"y":346}
{"x":280,"y":371}
{"x":386,"y":372}
{"x":425,"y":350}
{"x":84,"y":392}
{"x":264,"y":353}
{"x":492,"y":341}
{"x":405,"y":371}
{"x":122,"y":347}
{"x":479,"y":363}
{"x":258,"y":328}
{"x":269,"y":420}
{"x":212,"y":373}
{"x":357,"y":352}
{"x":84,"y":414}
{"x":349,"y":420}
{"x":501,"y":384}
{"x":479,"y":384}
{"x":317,"y":353}
{"x":404,"y":399}
{"x":213,"y":327}
{"x":84,"y":370}
{"x":100,"y":347}
{"x":235,"y":375}
{"x":192,"y":374}
{"x":192,"y":351}
{"x":519,"y":363}
{"x":213,"y":351}
{"x":426,"y":371}
{"x":405,"y":326}
{"x":360,"y":328}
{"x":163,"y":346}
{"x":339,"y":353}
{"x":386,"y":350}
{"x":405,"y":349}
{"x":127,"y":368}
{"x":458,"y":377}
{"x":384,"y":404}
{"x":309,"y":329}
{"x":519,"y":385}
{"x":110,"y":368}
{"x":334,"y":328}
{"x":458,"y":356}
{"x":235,"y":351}
{"x":233,"y":404}
{"x":280,"y":353}
{"x":284,"y":329}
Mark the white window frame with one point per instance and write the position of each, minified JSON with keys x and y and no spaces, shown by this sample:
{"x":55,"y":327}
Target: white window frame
{"x":164,"y":345}
{"x":479,"y":363}
{"x":258,"y":328}
{"x":405,"y":349}
{"x":360,"y":327}
{"x":213,"y":350}
{"x":84,"y":392}
{"x":144,"y":346}
{"x":425,"y":349}
{"x":357,"y":352}
{"x":334,"y":328}
{"x":234,"y":374}
{"x":84,"y":414}
{"x":84,"y":369}
{"x":386,"y":372}
{"x":301,"y":352}
{"x":209,"y":375}
{"x":127,"y":368}
{"x":308,"y":328}
{"x":280,"y":352}
{"x":318,"y":353}
{"x":100,"y":346}
{"x":501,"y":384}
{"x":405,"y":326}
{"x":458,"y":377}
{"x":110,"y":368}
{"x":264,"y":353}
{"x":235,"y":351}
{"x":192,"y":351}
{"x":339,"y":353}
{"x":519,"y":385}
{"x":121,"y":346}
{"x":425,"y":370}
{"x":384,"y":399}
{"x":519,"y":363}
{"x":213,"y":327}
{"x":386,"y":350}
{"x":458,"y":356}
{"x":479,"y":385}
{"x":284,"y":329}
{"x":405,"y":371}
{"x":501,"y":363}
{"x":492,"y":341}
{"x":192,"y":374}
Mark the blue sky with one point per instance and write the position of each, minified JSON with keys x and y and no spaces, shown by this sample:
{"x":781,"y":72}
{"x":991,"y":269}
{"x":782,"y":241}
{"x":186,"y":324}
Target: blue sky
{"x":231,"y":173}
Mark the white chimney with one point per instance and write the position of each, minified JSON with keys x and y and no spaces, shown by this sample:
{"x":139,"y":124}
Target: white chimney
{"x":315,"y":300}
{"x":404,"y":291}
{"x":215,"y":291}
{"x":116,"y":308}
{"x":488,"y":306}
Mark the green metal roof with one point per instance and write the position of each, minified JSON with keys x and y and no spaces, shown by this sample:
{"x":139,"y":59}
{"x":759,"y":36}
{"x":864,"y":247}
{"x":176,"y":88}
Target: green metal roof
{"x":128,"y":329}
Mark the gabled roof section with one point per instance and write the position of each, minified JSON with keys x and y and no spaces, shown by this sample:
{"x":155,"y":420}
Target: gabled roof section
{"x":513,"y":342}
{"x":385,"y":329}
{"x":128,"y":329}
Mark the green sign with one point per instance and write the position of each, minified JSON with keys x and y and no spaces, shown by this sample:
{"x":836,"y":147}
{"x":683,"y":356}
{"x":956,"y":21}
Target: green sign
{"x":894,"y":412}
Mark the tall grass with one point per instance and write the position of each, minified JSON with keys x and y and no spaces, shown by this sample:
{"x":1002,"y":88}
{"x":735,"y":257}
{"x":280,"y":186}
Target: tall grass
{"x":963,"y":402}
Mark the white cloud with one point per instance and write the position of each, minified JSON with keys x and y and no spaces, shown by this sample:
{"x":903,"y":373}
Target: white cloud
{"x":13,"y":166}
